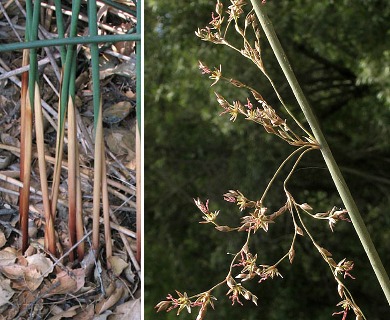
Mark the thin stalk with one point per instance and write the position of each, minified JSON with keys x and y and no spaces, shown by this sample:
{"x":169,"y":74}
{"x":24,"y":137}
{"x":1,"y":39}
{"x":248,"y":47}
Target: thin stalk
{"x":27,"y":104}
{"x":106,"y":209}
{"x":29,"y":14}
{"x":50,"y":242}
{"x":334,"y":170}
{"x":98,"y":126}
{"x":60,"y":28}
{"x":79,"y":213}
{"x":25,"y":155}
{"x":138,"y":151}
{"x":64,"y":95}
{"x":138,"y":136}
{"x":97,"y":178}
{"x":72,"y":159}
{"x":72,"y":168}
{"x":139,"y":67}
{"x":33,"y":35}
{"x":279,"y":170}
{"x":94,"y":60}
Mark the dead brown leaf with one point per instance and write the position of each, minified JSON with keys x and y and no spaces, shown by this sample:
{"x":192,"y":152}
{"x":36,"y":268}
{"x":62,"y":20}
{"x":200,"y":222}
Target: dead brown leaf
{"x":121,"y":142}
{"x":130,"y":310}
{"x":3,"y":240}
{"x":103,"y":316}
{"x":10,"y":313}
{"x":58,"y":313}
{"x":13,"y":272}
{"x":107,"y":303}
{"x":86,"y":314}
{"x":7,"y":257}
{"x":11,"y":196}
{"x":27,"y":273}
{"x":41,"y":263}
{"x":117,"y":265}
{"x":32,"y":278}
{"x":69,"y":281}
{"x":6,"y":291}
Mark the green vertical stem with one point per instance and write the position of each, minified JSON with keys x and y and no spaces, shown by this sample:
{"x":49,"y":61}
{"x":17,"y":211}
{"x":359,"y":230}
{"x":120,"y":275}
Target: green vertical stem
{"x":64,"y":96}
{"x":33,"y":35}
{"x":138,"y":135}
{"x":93,"y":31}
{"x":60,"y":27}
{"x":334,"y":170}
{"x":139,"y":66}
{"x":29,"y":14}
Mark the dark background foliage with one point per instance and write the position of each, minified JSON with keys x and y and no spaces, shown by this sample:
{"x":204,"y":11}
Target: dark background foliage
{"x":340,"y":51}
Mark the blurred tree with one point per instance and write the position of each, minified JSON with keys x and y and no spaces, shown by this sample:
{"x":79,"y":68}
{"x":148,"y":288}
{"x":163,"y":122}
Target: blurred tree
{"x":340,"y":52}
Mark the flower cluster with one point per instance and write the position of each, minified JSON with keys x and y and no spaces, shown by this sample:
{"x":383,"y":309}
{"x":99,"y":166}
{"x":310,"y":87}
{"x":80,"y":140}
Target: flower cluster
{"x":262,"y":114}
{"x":184,"y":302}
{"x":213,"y":33}
{"x":233,"y":109}
{"x":268,"y":272}
{"x":214,"y":75}
{"x":203,"y":301}
{"x":236,"y":290}
{"x":333,"y":216}
{"x":344,"y":267}
{"x":347,"y":305}
{"x":172,"y":303}
{"x":248,"y":262}
{"x":235,"y":9}
{"x":208,"y":215}
{"x":237,"y":197}
{"x":256,"y":220}
{"x":250,"y":269}
{"x":206,"y":34}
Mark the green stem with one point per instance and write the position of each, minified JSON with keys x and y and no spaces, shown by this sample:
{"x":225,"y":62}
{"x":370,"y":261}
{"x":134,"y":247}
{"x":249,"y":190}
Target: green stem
{"x":335,"y":172}
{"x":60,"y":27}
{"x":139,"y":54}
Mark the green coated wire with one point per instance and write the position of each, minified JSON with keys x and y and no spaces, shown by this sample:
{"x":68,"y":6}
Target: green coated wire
{"x":121,"y":7}
{"x":69,"y":41}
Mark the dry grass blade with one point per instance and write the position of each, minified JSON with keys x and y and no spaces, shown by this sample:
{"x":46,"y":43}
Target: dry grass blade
{"x":79,"y":212}
{"x":50,"y":241}
{"x":57,"y":168}
{"x":106,"y":209}
{"x":97,"y":178}
{"x":72,"y":170}
{"x":139,"y":194}
{"x":25,"y":155}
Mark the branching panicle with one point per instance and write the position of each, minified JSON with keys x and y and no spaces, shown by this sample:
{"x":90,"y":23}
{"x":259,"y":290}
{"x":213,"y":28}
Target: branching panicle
{"x":256,"y":109}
